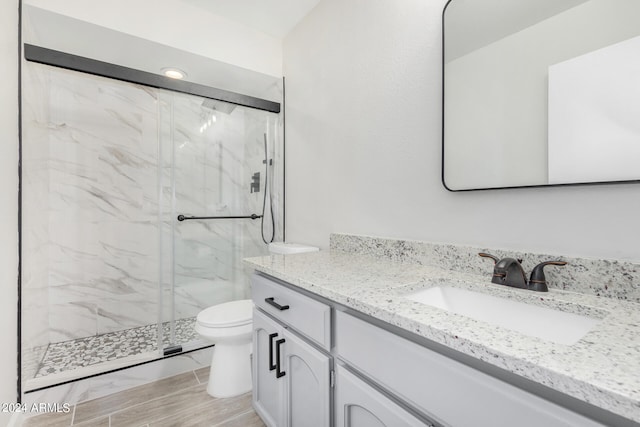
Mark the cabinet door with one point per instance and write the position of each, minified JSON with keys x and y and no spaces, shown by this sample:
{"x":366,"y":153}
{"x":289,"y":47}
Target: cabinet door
{"x":307,"y":384}
{"x":268,"y":390}
{"x":359,"y":405}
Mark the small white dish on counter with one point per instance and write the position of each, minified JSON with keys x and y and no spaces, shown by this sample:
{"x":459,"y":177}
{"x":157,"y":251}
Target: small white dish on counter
{"x":283,"y":248}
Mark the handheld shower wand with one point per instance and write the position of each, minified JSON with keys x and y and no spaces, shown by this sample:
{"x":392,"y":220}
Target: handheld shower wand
{"x":264,"y":199}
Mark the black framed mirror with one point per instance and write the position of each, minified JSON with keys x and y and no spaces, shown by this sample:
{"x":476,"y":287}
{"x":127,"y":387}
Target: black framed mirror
{"x":540,"y":92}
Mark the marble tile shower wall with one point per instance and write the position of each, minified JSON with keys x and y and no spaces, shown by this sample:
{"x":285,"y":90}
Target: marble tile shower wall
{"x":91,"y":168}
{"x":212,"y":178}
{"x":96,"y":149}
{"x":204,"y":177}
{"x":608,"y":278}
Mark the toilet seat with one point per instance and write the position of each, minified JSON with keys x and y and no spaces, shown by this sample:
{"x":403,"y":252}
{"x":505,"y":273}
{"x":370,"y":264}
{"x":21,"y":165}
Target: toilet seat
{"x":227,"y":315}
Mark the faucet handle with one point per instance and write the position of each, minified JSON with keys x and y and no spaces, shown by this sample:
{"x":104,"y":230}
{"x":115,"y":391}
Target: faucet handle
{"x":486,"y":255}
{"x":537,"y":281}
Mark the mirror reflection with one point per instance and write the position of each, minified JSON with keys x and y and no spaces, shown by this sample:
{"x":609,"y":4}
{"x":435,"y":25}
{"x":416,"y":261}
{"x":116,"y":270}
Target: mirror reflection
{"x":540,"y":92}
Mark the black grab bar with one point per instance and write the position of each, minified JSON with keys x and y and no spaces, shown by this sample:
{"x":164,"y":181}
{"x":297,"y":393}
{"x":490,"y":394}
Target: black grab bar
{"x":185,"y":218}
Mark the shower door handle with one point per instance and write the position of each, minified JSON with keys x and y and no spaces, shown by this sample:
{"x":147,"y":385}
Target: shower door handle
{"x":186,"y":218}
{"x":279,"y":373}
{"x":272,"y":365}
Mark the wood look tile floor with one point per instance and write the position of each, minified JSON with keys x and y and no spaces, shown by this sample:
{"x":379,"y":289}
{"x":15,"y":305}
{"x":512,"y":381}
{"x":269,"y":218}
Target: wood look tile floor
{"x":178,"y":401}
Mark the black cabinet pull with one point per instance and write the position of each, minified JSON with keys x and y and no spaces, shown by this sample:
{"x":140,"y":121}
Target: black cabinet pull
{"x":271,"y":301}
{"x":272,"y":365}
{"x":279,"y":373}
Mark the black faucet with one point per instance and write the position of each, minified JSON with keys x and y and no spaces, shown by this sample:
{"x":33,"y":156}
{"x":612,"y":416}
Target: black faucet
{"x":509,"y":272}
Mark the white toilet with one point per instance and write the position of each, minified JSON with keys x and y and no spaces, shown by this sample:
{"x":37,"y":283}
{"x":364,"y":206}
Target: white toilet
{"x":229,"y":326}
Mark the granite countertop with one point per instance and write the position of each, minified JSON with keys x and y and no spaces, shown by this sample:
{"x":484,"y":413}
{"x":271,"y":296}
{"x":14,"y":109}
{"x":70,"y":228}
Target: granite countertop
{"x":602,"y":368}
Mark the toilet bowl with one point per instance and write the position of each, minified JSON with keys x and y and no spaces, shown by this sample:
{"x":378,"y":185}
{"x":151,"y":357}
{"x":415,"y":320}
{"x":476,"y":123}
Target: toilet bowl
{"x":229,"y":327}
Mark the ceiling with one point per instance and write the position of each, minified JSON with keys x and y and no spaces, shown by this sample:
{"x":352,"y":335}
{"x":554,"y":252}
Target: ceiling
{"x":60,"y":32}
{"x":274,"y":17}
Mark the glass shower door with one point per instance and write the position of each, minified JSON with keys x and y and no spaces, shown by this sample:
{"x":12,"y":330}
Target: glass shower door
{"x":213,"y":182}
{"x":90,"y":227}
{"x":110,"y":278}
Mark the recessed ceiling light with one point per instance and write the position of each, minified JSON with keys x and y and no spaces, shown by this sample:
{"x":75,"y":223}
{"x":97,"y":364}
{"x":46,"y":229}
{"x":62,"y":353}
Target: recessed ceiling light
{"x":174,"y":73}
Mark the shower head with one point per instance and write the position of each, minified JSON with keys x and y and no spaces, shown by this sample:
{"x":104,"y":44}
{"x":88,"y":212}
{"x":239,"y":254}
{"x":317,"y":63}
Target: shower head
{"x":220,"y":106}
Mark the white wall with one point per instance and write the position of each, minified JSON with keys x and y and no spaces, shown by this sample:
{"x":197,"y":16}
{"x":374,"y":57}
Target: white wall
{"x":9,"y":203}
{"x":364,"y":146}
{"x":180,"y":25}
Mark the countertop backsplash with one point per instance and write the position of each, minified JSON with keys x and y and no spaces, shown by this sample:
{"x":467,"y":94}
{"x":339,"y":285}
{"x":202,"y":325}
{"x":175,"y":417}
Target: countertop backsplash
{"x":607,"y":278}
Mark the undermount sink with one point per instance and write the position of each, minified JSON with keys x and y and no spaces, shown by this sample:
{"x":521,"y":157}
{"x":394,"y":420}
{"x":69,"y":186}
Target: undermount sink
{"x":532,"y":320}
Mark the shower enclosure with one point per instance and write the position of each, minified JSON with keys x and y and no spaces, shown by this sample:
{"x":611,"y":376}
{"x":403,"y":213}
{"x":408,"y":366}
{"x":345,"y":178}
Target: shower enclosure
{"x":110,"y":276}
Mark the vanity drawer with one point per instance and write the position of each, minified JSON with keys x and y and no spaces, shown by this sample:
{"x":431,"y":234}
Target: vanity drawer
{"x":443,"y":388}
{"x":306,"y":315}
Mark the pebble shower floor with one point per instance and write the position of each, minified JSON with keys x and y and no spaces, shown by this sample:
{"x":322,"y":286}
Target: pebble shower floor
{"x":82,"y":352}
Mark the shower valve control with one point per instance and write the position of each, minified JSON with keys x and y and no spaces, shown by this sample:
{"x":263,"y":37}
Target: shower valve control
{"x":255,"y":183}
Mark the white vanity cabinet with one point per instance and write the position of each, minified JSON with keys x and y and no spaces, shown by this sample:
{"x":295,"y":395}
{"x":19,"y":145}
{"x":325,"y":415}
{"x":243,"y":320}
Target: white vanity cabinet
{"x":382,"y":379}
{"x":268,"y":388}
{"x":442,"y":388}
{"x":360,"y":405}
{"x":291,"y":377}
